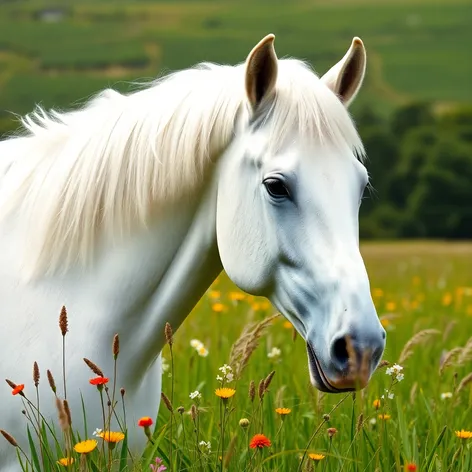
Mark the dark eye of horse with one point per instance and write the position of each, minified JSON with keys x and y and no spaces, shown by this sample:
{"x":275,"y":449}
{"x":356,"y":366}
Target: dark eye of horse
{"x":276,"y":188}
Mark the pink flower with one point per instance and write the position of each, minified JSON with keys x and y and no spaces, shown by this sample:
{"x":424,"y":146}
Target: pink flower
{"x":158,"y":466}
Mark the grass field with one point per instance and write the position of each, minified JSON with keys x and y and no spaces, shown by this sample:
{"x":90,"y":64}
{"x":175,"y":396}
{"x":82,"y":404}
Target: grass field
{"x":417,"y":49}
{"x":423,"y":293}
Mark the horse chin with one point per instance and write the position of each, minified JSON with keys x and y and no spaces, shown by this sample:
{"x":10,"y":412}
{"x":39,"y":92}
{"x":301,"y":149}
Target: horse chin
{"x":318,"y":377}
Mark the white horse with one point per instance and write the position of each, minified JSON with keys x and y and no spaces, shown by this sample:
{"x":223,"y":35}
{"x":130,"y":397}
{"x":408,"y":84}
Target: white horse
{"x":126,"y":210}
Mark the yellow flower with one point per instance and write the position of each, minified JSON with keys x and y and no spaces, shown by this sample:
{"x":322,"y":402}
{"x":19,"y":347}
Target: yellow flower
{"x":390,"y":306}
{"x":256,"y":306}
{"x":236,"y":296}
{"x":214,"y":294}
{"x":447,"y":299}
{"x":462,"y":434}
{"x":112,"y":437}
{"x":65,"y":461}
{"x":287,"y":325}
{"x":377,"y":292}
{"x":316,"y":457}
{"x":384,"y":417}
{"x":218,"y":307}
{"x":384,"y":322}
{"x":283,"y":411}
{"x":86,"y":446}
{"x":225,"y":392}
{"x":202,"y":351}
{"x":376,"y":404}
{"x":265,"y":305}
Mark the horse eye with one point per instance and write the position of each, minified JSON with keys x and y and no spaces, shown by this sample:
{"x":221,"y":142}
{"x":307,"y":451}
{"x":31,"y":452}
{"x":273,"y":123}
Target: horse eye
{"x":276,"y":188}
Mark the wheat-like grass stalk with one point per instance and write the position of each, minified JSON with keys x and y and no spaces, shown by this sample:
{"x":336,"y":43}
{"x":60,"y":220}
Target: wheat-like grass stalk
{"x":464,"y":382}
{"x":246,"y":344}
{"x":418,"y":338}
{"x":466,"y":353}
{"x":449,"y":358}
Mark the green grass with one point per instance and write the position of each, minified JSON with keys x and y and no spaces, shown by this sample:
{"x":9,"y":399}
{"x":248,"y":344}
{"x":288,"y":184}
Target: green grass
{"x":416,"y":286}
{"x":418,"y":49}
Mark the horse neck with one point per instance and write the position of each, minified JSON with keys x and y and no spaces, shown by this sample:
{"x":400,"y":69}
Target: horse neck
{"x":193,"y":267}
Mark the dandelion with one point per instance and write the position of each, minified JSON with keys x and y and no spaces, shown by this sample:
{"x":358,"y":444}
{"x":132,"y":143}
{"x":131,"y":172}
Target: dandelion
{"x":158,"y":466}
{"x":283,"y":411}
{"x":446,"y":395}
{"x":225,"y":392}
{"x":259,"y":441}
{"x":274,"y":353}
{"x":316,"y":457}
{"x":18,"y":389}
{"x":195,"y":395}
{"x":84,"y":447}
{"x":384,"y":417}
{"x":66,"y":461}
{"x":112,"y":437}
{"x":462,"y":434}
{"x":376,"y":404}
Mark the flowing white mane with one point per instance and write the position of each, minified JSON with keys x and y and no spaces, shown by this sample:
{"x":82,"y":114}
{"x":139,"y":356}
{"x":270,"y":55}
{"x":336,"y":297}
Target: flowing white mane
{"x":107,"y":166}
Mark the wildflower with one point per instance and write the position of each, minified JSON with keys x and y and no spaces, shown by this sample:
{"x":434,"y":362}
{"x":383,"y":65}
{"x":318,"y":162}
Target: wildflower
{"x":205,"y":445}
{"x":316,"y":457}
{"x":391,"y":306}
{"x":225,"y":392}
{"x":97,"y":432}
{"x":202,"y":351}
{"x":372,"y":421}
{"x":195,"y":395}
{"x":274,"y":353}
{"x":215,"y":294}
{"x":244,"y":423}
{"x":145,"y":421}
{"x":112,"y":437}
{"x":446,"y":395}
{"x":283,"y":411}
{"x":99,"y":381}
{"x":259,"y":441}
{"x":66,"y":461}
{"x":411,"y":467}
{"x":287,"y":325}
{"x":390,"y":395}
{"x":218,"y":307}
{"x":158,"y":466}
{"x":227,"y":372}
{"x":396,"y":372}
{"x":195,"y":343}
{"x":18,"y":389}
{"x":164,"y":365}
{"x":376,"y":404}
{"x":84,"y":447}
{"x":384,"y":417}
{"x":331,"y":432}
{"x":462,"y":434}
{"x":236,"y":296}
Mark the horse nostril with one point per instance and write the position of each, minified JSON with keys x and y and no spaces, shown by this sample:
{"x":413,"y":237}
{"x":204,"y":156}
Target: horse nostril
{"x":339,"y":352}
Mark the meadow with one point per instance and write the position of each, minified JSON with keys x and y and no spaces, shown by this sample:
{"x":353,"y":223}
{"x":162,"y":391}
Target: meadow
{"x":418,"y":49}
{"x":410,"y":416}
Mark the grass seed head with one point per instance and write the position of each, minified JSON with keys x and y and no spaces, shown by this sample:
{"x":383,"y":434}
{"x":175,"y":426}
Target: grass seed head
{"x":63,"y":322}
{"x":116,"y":346}
{"x":93,"y":367}
{"x":252,"y":390}
{"x":167,"y":402}
{"x":35,"y":374}
{"x":9,"y":438}
{"x":169,"y":334}
{"x":51,"y":381}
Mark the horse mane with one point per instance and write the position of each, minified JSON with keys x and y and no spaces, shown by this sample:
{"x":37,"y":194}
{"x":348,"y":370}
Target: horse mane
{"x":110,"y":164}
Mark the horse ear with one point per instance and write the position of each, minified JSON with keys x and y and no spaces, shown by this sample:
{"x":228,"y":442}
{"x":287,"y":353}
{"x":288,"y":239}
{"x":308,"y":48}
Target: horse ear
{"x":345,"y":78}
{"x":261,"y":71}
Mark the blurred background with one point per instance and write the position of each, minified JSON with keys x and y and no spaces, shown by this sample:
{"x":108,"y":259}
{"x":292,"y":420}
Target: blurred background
{"x":414,"y":113}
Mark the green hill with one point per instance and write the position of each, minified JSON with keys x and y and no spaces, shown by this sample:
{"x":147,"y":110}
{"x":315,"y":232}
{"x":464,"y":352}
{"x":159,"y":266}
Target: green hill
{"x":57,"y":55}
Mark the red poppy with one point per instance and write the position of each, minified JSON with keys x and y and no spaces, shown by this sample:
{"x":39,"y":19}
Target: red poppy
{"x":260,"y":441}
{"x":99,"y":381}
{"x":145,"y":422}
{"x":18,"y":389}
{"x":411,"y":467}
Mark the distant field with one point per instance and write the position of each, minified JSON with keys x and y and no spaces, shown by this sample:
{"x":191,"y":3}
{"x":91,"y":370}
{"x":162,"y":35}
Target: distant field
{"x":417,"y":49}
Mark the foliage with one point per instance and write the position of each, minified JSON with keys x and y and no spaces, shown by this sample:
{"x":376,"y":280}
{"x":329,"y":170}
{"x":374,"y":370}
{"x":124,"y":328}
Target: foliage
{"x":423,"y":296}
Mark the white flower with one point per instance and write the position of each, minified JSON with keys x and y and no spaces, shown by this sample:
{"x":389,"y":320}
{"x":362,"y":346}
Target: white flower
{"x":373,"y":421}
{"x":274,"y":353}
{"x":202,"y":351}
{"x":195,"y":343}
{"x":446,"y":395}
{"x":229,"y":377}
{"x":226,"y":369}
{"x":164,"y":365}
{"x":97,"y":432}
{"x":400,"y":377}
{"x":395,"y":372}
{"x":219,"y":378}
{"x":195,"y":394}
{"x":206,"y":445}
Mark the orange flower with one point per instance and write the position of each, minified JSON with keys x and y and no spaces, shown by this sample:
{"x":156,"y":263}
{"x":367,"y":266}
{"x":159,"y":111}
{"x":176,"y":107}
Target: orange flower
{"x":145,"y":422}
{"x":99,"y":381}
{"x":316,"y":457}
{"x":384,"y":417}
{"x":225,"y":392}
{"x":411,"y":467}
{"x":18,"y":389}
{"x":259,"y":441}
{"x":462,"y":434}
{"x":283,"y":411}
{"x":66,"y":461}
{"x":376,"y":404}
